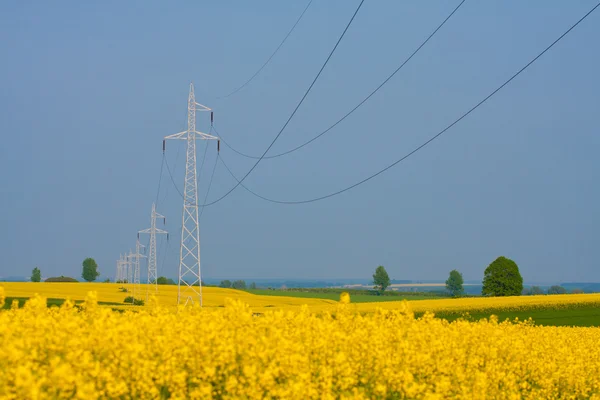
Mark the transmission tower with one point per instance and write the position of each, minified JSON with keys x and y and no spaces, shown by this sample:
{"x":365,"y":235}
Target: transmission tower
{"x":119,"y":276}
{"x":129,"y":266}
{"x":136,"y":269}
{"x":153,"y":230}
{"x":122,"y":268}
{"x":190,"y":282}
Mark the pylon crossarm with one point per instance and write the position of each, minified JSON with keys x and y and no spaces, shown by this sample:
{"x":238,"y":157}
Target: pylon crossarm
{"x":180,"y":135}
{"x":205,"y":136}
{"x":202,"y":107}
{"x":198,"y":135}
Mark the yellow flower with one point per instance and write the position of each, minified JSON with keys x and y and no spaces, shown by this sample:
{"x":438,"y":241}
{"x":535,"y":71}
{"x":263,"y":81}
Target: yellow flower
{"x":345,"y":298}
{"x":233,"y":351}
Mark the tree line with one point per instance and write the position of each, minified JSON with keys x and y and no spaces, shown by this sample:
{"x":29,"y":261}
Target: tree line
{"x":500,"y":278}
{"x":237,"y":284}
{"x":89,"y":273}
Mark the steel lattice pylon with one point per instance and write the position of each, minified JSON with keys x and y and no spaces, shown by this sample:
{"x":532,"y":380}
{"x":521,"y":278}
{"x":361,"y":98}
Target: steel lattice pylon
{"x":129,"y":266}
{"x":153,"y":230}
{"x":190,"y":282}
{"x":120,"y":273}
{"x":136,"y":270}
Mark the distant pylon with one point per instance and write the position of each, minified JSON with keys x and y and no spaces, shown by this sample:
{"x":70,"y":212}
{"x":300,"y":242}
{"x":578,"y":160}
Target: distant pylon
{"x":123,"y":268}
{"x":153,"y":230}
{"x":129,"y":263}
{"x":119,"y":276}
{"x":137,"y":290}
{"x":190,"y":282}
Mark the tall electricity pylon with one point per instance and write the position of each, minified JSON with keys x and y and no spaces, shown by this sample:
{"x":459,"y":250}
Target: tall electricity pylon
{"x":190,"y":282}
{"x":136,"y":269}
{"x":153,"y":230}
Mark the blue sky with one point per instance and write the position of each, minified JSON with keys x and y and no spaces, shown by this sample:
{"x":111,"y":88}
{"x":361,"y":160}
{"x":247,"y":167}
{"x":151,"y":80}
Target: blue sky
{"x":89,"y":89}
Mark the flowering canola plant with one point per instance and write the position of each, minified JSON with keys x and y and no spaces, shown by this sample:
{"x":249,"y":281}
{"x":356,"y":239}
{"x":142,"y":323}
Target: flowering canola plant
{"x":471,"y":304}
{"x":166,"y":294}
{"x":232,"y":352}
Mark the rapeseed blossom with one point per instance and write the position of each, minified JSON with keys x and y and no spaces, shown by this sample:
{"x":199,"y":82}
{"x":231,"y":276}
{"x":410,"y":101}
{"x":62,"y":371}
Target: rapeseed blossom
{"x":345,"y":298}
{"x":231,"y":352}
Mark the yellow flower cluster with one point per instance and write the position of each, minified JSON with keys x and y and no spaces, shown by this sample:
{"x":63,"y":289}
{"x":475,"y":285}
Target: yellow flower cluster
{"x":231,"y":353}
{"x":167,"y":295}
{"x":471,"y":304}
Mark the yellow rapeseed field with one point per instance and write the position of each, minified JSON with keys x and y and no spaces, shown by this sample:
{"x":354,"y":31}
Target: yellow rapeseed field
{"x":167,"y":294}
{"x":512,"y":303}
{"x":232,"y":353}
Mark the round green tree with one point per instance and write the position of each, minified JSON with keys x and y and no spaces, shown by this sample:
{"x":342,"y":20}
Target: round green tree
{"x":502,"y":278}
{"x":454,"y":284}
{"x":90,"y":270}
{"x":36,"y":275}
{"x":381,"y":279}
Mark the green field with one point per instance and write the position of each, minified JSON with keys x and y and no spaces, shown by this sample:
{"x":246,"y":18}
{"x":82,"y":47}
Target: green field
{"x":334,"y":294}
{"x":49,"y":302}
{"x":577,"y":315}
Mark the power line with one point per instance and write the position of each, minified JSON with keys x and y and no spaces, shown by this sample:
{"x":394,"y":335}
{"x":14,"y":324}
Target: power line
{"x":203,"y":158}
{"x":172,"y":180}
{"x":295,"y":110}
{"x":386,"y":80}
{"x":209,"y":185}
{"x":428,"y":141}
{"x":160,"y":177}
{"x":174,"y":169}
{"x":272,"y":55}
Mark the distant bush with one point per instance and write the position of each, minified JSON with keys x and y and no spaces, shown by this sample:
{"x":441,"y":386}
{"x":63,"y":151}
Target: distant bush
{"x":533,"y":291}
{"x":557,"y":290}
{"x":577,"y":291}
{"x":239,"y":284}
{"x":61,"y":279}
{"x":161,"y":280}
{"x":225,"y":284}
{"x":135,"y":302}
{"x":122,"y":289}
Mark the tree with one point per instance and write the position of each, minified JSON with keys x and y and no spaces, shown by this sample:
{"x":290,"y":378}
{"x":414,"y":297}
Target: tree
{"x":381,"y":279}
{"x":557,"y":290}
{"x":536,"y":290}
{"x":577,"y":291}
{"x":161,"y":280}
{"x":90,"y":270}
{"x":253,"y":285}
{"x":225,"y":284}
{"x":61,"y":279}
{"x":454,"y":284}
{"x":36,"y":275}
{"x":502,"y":278}
{"x":239,"y":284}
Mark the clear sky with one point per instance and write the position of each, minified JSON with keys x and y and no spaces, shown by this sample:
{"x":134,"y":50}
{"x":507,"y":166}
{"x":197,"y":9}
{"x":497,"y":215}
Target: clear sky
{"x":89,"y":89}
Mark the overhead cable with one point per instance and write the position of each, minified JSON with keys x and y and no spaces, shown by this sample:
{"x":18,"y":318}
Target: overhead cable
{"x":212,"y":175}
{"x":272,"y":55}
{"x":386,"y":80}
{"x":432,"y":138}
{"x":295,"y":109}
